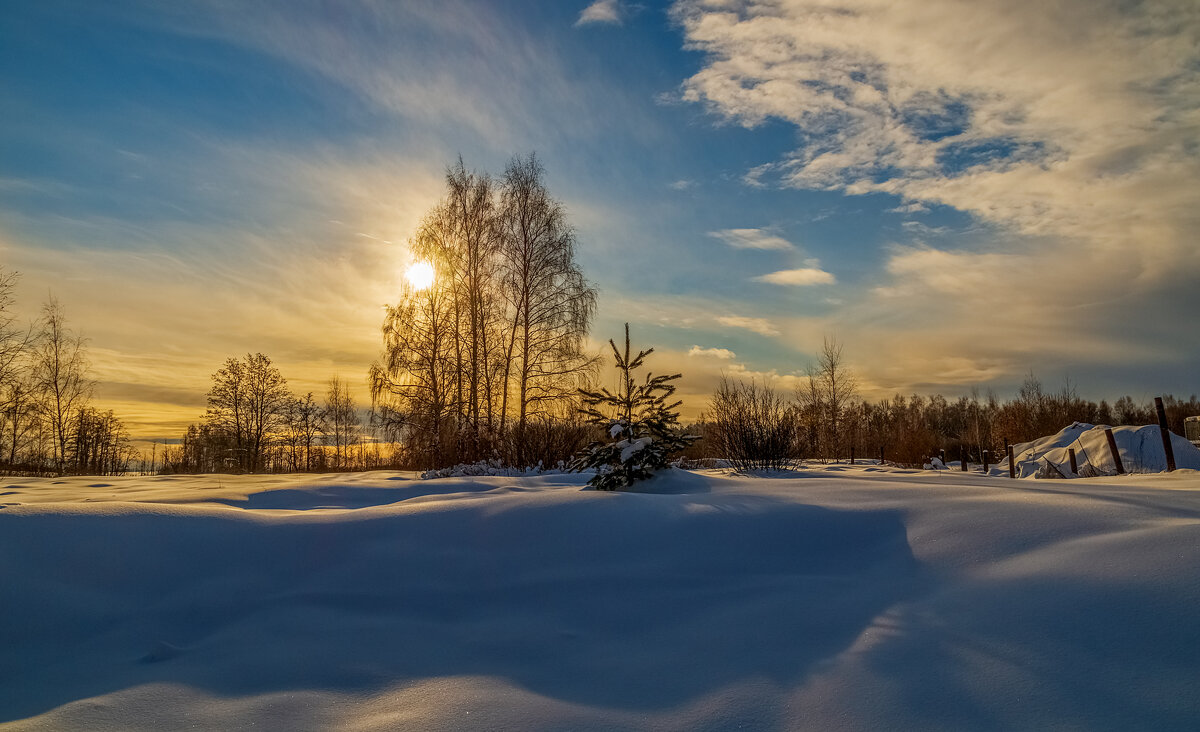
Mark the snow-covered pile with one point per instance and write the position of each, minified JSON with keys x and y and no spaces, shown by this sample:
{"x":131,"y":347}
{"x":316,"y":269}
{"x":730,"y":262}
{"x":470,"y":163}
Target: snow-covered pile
{"x":491,"y":467}
{"x":847,"y":597}
{"x":1141,"y":451}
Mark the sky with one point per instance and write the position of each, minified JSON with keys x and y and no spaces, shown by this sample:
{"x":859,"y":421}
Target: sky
{"x":960,"y":193}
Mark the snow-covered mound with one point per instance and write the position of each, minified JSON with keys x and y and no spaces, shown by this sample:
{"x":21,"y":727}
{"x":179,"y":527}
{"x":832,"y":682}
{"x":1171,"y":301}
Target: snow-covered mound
{"x":1141,"y":451}
{"x":491,"y":467}
{"x":848,"y":597}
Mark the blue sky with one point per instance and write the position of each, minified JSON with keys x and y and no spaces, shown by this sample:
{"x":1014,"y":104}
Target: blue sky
{"x":959,"y":192}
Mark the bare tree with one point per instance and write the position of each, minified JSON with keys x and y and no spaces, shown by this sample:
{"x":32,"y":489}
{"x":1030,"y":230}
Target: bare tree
{"x":469,"y":258}
{"x":19,"y":405}
{"x":100,"y":443}
{"x":751,"y":426}
{"x":305,"y":422}
{"x":550,"y":304}
{"x":414,"y":387}
{"x":249,"y":400}
{"x":22,"y":411}
{"x":14,"y":341}
{"x":341,"y":419}
{"x":824,"y":397}
{"x":60,"y":376}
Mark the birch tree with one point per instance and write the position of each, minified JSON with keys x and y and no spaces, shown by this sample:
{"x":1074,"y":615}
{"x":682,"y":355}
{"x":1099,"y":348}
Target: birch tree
{"x":60,"y":377}
{"x":549,"y":303}
{"x":341,"y":420}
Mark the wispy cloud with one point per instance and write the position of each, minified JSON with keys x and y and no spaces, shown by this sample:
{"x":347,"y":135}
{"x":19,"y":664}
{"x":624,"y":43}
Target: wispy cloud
{"x":802,"y":277}
{"x":316,"y":269}
{"x":762,"y":326}
{"x":752,"y":239}
{"x":601,"y":11}
{"x":721,"y":353}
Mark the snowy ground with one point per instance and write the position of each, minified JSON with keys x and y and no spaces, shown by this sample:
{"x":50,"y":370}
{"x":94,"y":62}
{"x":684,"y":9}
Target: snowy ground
{"x":834,"y":598}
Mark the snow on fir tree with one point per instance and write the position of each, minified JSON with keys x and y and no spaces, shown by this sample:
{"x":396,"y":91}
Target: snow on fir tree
{"x":642,"y":427}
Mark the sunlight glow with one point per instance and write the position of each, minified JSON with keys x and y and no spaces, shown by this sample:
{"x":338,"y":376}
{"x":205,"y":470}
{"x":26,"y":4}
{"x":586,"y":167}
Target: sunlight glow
{"x":420,"y":275}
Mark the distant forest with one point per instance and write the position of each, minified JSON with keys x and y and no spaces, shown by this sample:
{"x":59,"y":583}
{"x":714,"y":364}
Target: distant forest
{"x":755,"y":426}
{"x":483,"y":361}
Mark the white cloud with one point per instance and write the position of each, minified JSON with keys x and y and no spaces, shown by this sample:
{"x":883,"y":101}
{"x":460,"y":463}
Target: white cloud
{"x":1069,"y":131}
{"x":721,"y":353}
{"x":802,"y":277}
{"x":1071,"y":119}
{"x":601,"y":11}
{"x":682,"y":184}
{"x":762,"y":326}
{"x":752,"y":239}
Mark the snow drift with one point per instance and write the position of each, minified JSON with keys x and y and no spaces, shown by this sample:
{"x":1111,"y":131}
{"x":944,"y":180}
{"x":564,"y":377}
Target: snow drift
{"x":1140,"y":448}
{"x":849,"y":597}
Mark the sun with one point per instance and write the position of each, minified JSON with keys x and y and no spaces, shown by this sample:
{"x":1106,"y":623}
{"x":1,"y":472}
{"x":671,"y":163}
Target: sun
{"x":419,"y":275}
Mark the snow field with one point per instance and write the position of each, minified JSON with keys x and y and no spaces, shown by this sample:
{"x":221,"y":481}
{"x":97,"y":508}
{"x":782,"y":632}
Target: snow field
{"x":839,"y":597}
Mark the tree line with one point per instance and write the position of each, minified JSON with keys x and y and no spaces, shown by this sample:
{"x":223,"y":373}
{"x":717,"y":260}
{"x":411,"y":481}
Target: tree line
{"x":486,"y":361}
{"x":755,"y":426}
{"x":48,"y":424}
{"x":254,"y":423}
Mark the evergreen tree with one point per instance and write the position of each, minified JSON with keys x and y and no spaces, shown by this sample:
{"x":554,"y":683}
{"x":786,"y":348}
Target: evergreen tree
{"x":641,"y":425}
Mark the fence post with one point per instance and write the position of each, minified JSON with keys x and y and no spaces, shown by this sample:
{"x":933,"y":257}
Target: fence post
{"x":942,"y":455}
{"x":851,"y":455}
{"x":1012,"y":465}
{"x":1074,"y":465}
{"x":962,"y":454}
{"x":881,"y":455}
{"x":1166,"y":434}
{"x":1112,"y":447}
{"x":985,"y":462}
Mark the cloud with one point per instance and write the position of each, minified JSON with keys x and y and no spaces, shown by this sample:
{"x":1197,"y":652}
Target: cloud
{"x":803,"y":277}
{"x":455,"y":69}
{"x":1069,"y":132}
{"x":752,"y":239}
{"x":601,"y":11}
{"x":682,"y":184}
{"x":1077,"y":121}
{"x":762,"y":326}
{"x":721,"y":353}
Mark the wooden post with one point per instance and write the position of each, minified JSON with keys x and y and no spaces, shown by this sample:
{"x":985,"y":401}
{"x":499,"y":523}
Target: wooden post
{"x":962,"y":454}
{"x":1166,"y":433}
{"x":881,"y":455}
{"x":851,"y":455}
{"x":1071,"y":456}
{"x":942,"y":455}
{"x":1112,"y":447}
{"x":985,"y":462}
{"x":1012,"y":465}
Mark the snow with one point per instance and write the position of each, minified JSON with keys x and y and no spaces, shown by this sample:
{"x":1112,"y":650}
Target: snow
{"x":848,"y":597}
{"x":631,"y":447}
{"x":1141,"y":451}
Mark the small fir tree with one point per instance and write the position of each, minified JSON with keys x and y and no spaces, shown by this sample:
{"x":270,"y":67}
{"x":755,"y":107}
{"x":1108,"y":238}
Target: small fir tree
{"x":642,"y":435}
